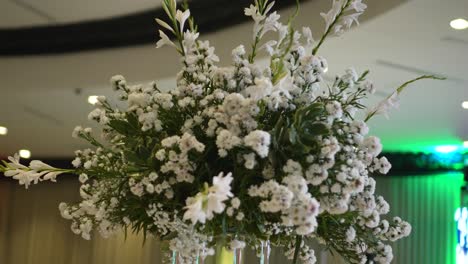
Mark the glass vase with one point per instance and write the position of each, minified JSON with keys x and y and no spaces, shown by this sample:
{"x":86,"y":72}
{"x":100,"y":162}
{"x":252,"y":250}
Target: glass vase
{"x":177,"y":259}
{"x":265,"y":250}
{"x":225,"y":256}
{"x":222,"y":256}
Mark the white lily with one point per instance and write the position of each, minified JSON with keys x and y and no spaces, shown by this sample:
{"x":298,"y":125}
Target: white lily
{"x":205,"y":204}
{"x":182,"y":17}
{"x":164,"y":40}
{"x":330,"y":16}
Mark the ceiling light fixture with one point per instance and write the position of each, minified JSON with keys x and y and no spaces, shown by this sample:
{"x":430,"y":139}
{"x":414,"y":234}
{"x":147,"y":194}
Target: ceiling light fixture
{"x":459,"y":24}
{"x":25,"y":154}
{"x":3,"y":130}
{"x":465,"y":104}
{"x":93,"y":99}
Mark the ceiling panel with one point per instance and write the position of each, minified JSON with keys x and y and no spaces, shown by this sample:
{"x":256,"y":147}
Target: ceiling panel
{"x":66,"y":11}
{"x":19,"y":13}
{"x":13,"y":16}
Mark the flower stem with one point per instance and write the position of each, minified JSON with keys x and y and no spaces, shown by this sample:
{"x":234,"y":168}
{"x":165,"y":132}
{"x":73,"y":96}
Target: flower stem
{"x":332,"y":25}
{"x":297,"y":248}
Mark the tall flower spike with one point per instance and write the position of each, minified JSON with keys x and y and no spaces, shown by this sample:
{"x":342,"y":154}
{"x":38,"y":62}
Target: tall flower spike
{"x":37,"y":171}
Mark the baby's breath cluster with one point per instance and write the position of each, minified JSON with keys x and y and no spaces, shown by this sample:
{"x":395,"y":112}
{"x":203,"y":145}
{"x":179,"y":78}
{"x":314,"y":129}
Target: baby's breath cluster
{"x":243,"y":155}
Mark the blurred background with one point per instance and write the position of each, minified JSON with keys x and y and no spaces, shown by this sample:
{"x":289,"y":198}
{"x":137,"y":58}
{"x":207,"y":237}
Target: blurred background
{"x":56,"y":55}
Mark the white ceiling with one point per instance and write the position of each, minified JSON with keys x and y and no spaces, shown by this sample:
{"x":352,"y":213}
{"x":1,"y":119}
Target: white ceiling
{"x":40,"y":108}
{"x":22,"y":13}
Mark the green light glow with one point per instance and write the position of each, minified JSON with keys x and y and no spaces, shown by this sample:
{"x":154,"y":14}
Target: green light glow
{"x":425,"y":145}
{"x":447,"y":148}
{"x":428,"y":202}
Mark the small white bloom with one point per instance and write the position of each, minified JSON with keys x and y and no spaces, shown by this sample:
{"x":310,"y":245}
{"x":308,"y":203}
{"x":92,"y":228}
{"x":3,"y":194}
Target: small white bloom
{"x":259,"y":141}
{"x":164,"y":40}
{"x":83,"y":178}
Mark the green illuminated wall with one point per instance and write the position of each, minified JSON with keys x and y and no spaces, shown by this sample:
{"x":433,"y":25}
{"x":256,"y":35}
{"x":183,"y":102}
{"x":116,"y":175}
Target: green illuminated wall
{"x":428,"y":203}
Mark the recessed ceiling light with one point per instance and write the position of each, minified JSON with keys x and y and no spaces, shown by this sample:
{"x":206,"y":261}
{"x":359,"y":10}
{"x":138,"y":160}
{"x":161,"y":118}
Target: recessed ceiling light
{"x":93,"y":99}
{"x":25,"y":154}
{"x":3,"y":130}
{"x":459,"y":24}
{"x":465,"y":104}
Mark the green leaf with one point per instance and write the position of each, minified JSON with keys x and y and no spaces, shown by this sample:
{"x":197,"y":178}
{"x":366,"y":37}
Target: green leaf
{"x":133,"y":121}
{"x":292,"y":135}
{"x":121,"y":127}
{"x":315,"y":129}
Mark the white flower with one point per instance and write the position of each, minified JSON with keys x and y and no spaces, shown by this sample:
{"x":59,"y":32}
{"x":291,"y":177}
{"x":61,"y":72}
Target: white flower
{"x":238,"y":51}
{"x":39,"y":166}
{"x":76,"y":162}
{"x":226,"y":141}
{"x":233,"y":103}
{"x":384,"y":107}
{"x":369,"y":87}
{"x":138,"y":100}
{"x":181,"y":17}
{"x":259,"y":141}
{"x":334,"y":109}
{"x":118,"y":81}
{"x":190,"y":38}
{"x":307,"y":33}
{"x":249,"y":160}
{"x":83,"y":178}
{"x":205,"y":204}
{"x":222,"y":186}
{"x":164,"y":25}
{"x":372,"y":145}
{"x":348,"y":20}
{"x":77,"y":131}
{"x":235,"y":202}
{"x":284,"y":87}
{"x":37,"y":171}
{"x":235,"y":244}
{"x":261,"y":89}
{"x":330,"y":16}
{"x":164,"y":40}
{"x":357,"y":6}
{"x":252,"y":11}
{"x":350,"y":234}
{"x":240,"y":216}
{"x":268,"y":46}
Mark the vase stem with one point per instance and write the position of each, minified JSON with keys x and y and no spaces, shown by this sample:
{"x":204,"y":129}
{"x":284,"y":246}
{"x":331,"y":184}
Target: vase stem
{"x":265,"y":252}
{"x":237,"y":256}
{"x":177,"y":260}
{"x":175,"y":257}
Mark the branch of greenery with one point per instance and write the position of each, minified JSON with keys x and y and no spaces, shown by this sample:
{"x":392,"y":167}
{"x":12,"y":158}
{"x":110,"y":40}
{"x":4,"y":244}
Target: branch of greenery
{"x":402,"y":87}
{"x":332,"y":25}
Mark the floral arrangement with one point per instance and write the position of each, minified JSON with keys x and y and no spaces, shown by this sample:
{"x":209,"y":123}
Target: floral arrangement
{"x":238,"y":155}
